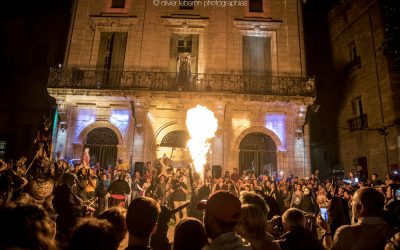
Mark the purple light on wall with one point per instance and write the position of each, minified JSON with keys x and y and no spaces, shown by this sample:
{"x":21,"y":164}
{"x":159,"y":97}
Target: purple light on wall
{"x":277,"y":124}
{"x":84,"y":119}
{"x":120,"y":118}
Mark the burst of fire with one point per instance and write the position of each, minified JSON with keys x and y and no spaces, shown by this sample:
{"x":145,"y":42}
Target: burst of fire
{"x":202,"y":126}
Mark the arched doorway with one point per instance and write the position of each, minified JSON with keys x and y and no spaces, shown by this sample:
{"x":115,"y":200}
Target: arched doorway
{"x":102,"y":143}
{"x":258,"y":153}
{"x":173,"y":145}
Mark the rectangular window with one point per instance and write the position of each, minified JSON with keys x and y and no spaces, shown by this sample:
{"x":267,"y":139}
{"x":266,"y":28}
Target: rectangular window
{"x":183,"y":59}
{"x":353,"y":53}
{"x":111,"y":56}
{"x":184,"y":44}
{"x":358,"y":109}
{"x":118,"y":4}
{"x":353,"y":58}
{"x":360,"y":118}
{"x":186,"y":4}
{"x":255,"y":5}
{"x":257,"y":55}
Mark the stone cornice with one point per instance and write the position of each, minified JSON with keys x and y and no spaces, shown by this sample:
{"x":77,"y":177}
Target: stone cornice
{"x":185,"y":22}
{"x":114,"y":20}
{"x":122,"y":94}
{"x":256,"y":24}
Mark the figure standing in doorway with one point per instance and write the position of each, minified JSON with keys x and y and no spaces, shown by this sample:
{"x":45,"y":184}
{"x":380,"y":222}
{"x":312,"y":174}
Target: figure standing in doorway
{"x":86,"y":158}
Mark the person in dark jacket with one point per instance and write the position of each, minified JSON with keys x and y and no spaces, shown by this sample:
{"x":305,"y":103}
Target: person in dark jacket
{"x":297,"y":237}
{"x":118,"y":190}
{"x":68,"y":206}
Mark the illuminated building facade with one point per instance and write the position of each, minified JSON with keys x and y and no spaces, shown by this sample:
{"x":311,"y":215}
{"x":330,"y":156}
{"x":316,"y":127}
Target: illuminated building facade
{"x":133,"y":68}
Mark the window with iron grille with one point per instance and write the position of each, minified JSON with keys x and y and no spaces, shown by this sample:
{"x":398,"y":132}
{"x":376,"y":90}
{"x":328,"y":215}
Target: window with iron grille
{"x":118,"y":4}
{"x":186,"y":4}
{"x":255,"y":5}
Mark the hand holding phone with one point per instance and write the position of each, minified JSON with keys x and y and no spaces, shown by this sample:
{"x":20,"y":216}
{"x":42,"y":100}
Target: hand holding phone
{"x":324,"y":213}
{"x":397,"y":195}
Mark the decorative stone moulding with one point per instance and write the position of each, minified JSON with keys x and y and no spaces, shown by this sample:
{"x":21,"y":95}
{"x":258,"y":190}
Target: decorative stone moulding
{"x":257,"y":24}
{"x":184,"y":21}
{"x":113,"y":21}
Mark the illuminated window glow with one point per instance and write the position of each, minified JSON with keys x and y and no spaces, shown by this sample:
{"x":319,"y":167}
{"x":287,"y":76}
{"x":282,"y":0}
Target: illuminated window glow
{"x":277,"y":124}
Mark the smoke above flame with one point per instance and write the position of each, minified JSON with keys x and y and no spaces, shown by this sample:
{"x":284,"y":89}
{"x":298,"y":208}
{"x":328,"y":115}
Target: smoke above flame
{"x":202,"y":125}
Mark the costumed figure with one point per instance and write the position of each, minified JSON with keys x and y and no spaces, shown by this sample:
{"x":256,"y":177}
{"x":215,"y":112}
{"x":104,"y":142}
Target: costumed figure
{"x":86,"y":158}
{"x":184,"y":70}
{"x":41,"y":184}
{"x":43,"y":140}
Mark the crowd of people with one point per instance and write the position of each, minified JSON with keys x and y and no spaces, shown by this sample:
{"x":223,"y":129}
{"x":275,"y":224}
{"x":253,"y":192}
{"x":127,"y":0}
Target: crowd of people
{"x":93,"y":208}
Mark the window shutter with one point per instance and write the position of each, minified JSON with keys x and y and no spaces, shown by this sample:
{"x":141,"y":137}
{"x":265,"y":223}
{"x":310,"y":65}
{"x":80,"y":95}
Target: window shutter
{"x":267,"y":56}
{"x":195,"y":52}
{"x":173,"y":59}
{"x":118,"y":53}
{"x":246,"y":54}
{"x":101,"y":56}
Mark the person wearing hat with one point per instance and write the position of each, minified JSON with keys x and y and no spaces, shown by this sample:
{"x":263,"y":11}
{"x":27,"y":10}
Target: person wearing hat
{"x":222,"y":211}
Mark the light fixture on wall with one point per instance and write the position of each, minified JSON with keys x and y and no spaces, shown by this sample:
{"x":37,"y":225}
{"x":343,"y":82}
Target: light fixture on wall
{"x":63,"y":126}
{"x":300,"y":120}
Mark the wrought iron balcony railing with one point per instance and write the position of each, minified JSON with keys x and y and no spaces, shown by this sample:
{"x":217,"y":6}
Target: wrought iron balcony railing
{"x":353,"y":65}
{"x":172,"y":81}
{"x":358,"y":123}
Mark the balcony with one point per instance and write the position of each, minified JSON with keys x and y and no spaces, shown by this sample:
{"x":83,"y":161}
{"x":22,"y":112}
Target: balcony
{"x":358,"y":123}
{"x":283,"y":85}
{"x":352,"y":66}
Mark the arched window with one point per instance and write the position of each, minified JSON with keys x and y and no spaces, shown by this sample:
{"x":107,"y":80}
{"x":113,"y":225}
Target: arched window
{"x":175,"y":139}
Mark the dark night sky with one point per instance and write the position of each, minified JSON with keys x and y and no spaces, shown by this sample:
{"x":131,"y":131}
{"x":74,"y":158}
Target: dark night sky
{"x":34,"y":38}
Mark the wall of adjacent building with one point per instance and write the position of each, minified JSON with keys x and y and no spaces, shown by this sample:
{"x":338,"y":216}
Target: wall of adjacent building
{"x":359,"y":23}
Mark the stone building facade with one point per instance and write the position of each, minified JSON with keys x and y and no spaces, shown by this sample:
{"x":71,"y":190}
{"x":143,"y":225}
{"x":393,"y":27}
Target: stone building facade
{"x":367,"y":125}
{"x":134,"y":68}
